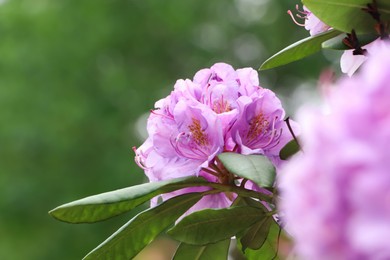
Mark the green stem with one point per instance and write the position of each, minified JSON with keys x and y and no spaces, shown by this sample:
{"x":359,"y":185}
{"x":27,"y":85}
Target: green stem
{"x":241,"y":191}
{"x":271,"y":213}
{"x":230,"y":188}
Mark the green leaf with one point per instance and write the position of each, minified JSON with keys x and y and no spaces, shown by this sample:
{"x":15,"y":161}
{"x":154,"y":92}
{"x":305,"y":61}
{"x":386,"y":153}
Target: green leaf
{"x":289,"y":150}
{"x":216,"y":251}
{"x":131,"y":238}
{"x":269,"y":248}
{"x":254,"y":203}
{"x":299,"y":50}
{"x":336,"y":43}
{"x":256,"y":168}
{"x":110,"y":204}
{"x":213,"y":225}
{"x":255,"y":237}
{"x":345,"y":15}
{"x":242,"y":192}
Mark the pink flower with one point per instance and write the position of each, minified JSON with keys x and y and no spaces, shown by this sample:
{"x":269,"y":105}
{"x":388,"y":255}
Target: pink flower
{"x":349,"y":62}
{"x":259,"y":128}
{"x":336,"y":195}
{"x":312,"y":23}
{"x":220,"y":110}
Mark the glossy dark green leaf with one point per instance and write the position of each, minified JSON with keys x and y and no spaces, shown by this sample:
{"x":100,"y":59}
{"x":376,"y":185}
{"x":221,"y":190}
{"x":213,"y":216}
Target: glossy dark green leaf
{"x":254,"y":203}
{"x":256,"y":235}
{"x":213,"y":225}
{"x":257,"y":168}
{"x":299,"y":50}
{"x":131,"y":238}
{"x":345,"y":15}
{"x":336,"y":43}
{"x":216,"y":251}
{"x":289,"y":150}
{"x":269,"y":249}
{"x":110,"y":204}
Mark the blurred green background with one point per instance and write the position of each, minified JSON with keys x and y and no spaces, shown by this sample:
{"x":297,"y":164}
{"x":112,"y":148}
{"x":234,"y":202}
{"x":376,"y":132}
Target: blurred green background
{"x":76,"y":78}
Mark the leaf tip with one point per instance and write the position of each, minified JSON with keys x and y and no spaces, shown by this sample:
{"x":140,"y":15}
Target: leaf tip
{"x":263,"y":67}
{"x":53,"y":213}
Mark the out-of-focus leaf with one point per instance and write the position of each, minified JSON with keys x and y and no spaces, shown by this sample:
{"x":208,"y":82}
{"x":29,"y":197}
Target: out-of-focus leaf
{"x":256,"y":235}
{"x":345,"y":15}
{"x":216,"y":251}
{"x":289,"y":150}
{"x":131,"y":238}
{"x":298,"y":50}
{"x":213,"y":225}
{"x":336,"y":43}
{"x":110,"y":204}
{"x":257,"y":168}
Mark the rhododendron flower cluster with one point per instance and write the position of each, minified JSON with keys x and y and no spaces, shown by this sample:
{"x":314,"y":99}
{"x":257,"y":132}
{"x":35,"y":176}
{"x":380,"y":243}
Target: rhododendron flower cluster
{"x":336,"y":194}
{"x":220,"y":110}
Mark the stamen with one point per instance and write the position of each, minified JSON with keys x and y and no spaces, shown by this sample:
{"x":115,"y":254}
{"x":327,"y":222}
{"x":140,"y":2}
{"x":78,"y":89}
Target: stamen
{"x":273,"y":131}
{"x":257,"y":126}
{"x":302,"y":12}
{"x":138,"y":159}
{"x":221,"y":106}
{"x":277,"y":137}
{"x":190,"y":151}
{"x":197,"y":133}
{"x":154,"y":112}
{"x":295,"y":21}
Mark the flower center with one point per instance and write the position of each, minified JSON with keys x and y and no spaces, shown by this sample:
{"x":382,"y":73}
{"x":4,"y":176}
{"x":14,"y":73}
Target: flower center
{"x":257,"y":126}
{"x":221,"y":106}
{"x":197,"y":133}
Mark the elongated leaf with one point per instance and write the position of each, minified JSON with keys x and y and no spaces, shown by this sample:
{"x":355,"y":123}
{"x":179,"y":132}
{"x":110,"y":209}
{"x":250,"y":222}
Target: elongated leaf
{"x":257,"y":234}
{"x":131,"y":238}
{"x":216,"y":251}
{"x":110,"y":204}
{"x":345,"y":15}
{"x":289,"y":150}
{"x":256,"y":168}
{"x":213,"y":225}
{"x":299,"y":50}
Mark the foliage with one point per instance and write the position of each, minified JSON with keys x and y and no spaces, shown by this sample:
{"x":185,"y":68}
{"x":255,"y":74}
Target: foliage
{"x":347,"y":15}
{"x":299,"y":50}
{"x":76,"y":76}
{"x":251,"y":217}
{"x":200,"y":228}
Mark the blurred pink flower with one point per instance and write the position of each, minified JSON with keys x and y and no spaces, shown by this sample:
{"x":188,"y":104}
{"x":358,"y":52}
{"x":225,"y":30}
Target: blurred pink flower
{"x":220,"y":110}
{"x":335,"y":196}
{"x":350,"y":63}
